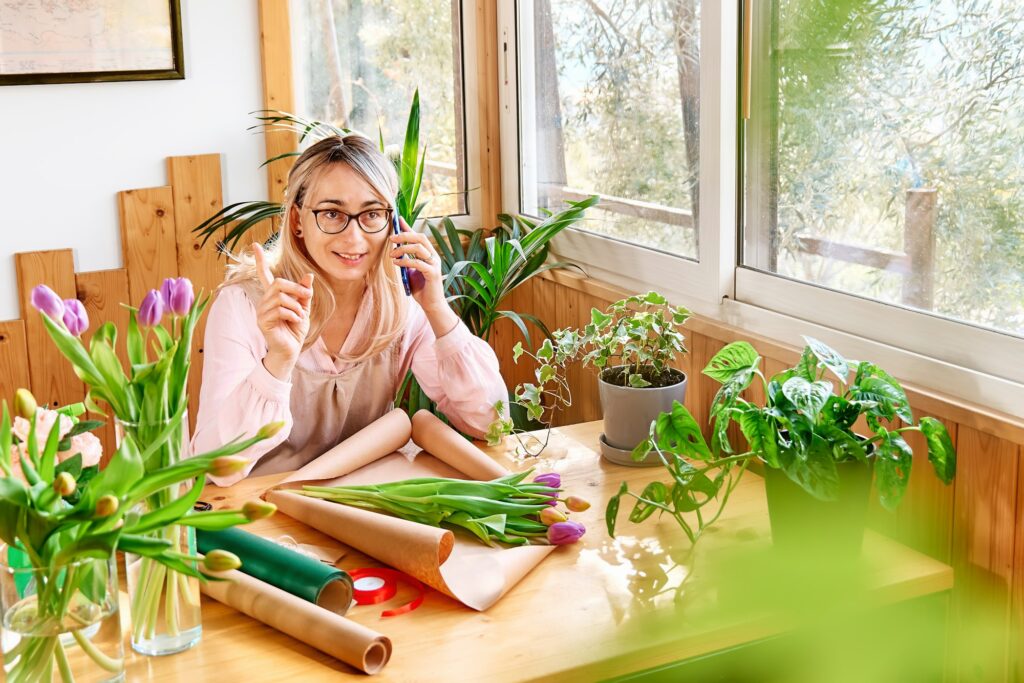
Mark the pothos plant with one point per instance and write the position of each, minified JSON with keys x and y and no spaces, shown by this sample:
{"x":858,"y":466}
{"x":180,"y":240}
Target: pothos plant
{"x":632,"y":343}
{"x":805,"y":428}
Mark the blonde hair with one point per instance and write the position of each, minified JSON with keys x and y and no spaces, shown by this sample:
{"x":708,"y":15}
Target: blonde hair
{"x":289,"y":259}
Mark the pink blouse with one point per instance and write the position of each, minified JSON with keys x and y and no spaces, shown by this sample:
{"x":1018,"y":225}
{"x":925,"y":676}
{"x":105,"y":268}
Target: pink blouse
{"x":459,"y":372}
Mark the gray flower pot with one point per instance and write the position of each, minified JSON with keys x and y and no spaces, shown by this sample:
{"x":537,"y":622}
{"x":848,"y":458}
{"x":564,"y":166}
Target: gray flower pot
{"x":628,"y":413}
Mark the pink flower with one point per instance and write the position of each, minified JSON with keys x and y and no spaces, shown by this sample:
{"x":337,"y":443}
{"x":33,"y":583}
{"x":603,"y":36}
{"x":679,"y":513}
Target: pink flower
{"x":46,"y":301}
{"x":552,"y":479}
{"x":44,"y":423}
{"x":152,"y":309}
{"x":75,"y":317}
{"x":88,"y":445}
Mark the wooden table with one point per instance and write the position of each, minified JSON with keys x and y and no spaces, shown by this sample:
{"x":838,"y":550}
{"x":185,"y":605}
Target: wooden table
{"x":601,"y":608}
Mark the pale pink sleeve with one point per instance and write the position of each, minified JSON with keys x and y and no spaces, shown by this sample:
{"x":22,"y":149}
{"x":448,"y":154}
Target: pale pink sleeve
{"x":238,"y":395}
{"x":459,"y":372}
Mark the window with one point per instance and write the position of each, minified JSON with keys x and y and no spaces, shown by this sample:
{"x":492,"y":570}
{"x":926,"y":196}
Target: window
{"x":884,"y":156}
{"x":609,"y":104}
{"x":357,"y":65}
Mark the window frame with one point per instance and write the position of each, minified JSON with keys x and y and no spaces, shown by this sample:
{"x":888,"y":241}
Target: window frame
{"x":926,"y":350}
{"x":470,"y":84}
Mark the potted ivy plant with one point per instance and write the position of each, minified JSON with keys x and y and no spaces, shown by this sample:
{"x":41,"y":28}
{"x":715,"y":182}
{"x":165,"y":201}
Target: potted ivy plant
{"x":819,"y":461}
{"x":632,"y":346}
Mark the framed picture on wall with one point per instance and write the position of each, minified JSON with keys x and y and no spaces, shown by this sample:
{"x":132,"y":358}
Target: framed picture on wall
{"x":78,"y":41}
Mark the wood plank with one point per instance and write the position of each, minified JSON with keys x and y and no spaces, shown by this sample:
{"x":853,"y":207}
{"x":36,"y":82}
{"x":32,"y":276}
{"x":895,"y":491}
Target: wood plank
{"x":102,"y":293}
{"x":13,"y":359}
{"x":148,"y":239}
{"x":54,"y":383}
{"x":984,"y":516}
{"x":486,"y":18}
{"x":278,"y":94}
{"x":196,"y":186}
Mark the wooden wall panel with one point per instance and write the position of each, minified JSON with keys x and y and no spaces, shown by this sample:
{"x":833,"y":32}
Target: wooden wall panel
{"x":148,"y":240}
{"x":13,"y":360}
{"x":984,"y":519}
{"x":54,"y":383}
{"x":102,"y":292}
{"x":276,"y":63}
{"x":196,"y":186}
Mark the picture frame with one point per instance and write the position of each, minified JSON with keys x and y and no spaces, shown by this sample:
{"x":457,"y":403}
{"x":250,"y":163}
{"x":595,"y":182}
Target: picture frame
{"x":103,"y":40}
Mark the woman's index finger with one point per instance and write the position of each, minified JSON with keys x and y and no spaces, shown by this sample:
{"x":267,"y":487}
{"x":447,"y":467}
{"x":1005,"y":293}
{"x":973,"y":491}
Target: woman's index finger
{"x":262,"y":269}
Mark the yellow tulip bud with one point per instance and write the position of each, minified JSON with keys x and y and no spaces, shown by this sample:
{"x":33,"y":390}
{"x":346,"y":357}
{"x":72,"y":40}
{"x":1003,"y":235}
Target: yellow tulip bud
{"x":226,"y":465}
{"x":221,"y":561}
{"x":25,"y":404}
{"x":551,"y":516}
{"x":269,"y":429}
{"x":576,"y":504}
{"x":258,"y":509}
{"x":106,"y":506}
{"x":64,"y":484}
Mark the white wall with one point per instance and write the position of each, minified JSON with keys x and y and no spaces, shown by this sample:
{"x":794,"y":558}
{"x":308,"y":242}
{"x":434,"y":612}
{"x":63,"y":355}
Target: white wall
{"x":67,"y":149}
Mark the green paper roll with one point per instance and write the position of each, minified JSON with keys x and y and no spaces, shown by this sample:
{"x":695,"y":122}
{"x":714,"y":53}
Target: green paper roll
{"x":303,"y":577}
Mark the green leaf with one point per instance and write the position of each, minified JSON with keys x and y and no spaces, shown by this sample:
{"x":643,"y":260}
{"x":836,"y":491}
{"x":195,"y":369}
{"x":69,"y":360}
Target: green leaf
{"x":941,"y":453}
{"x":698,"y":490}
{"x":761,"y":435}
{"x":546,"y":350}
{"x":517,"y":351}
{"x":893,"y":460}
{"x":545,"y":373}
{"x":641,"y":450}
{"x":829,"y":357}
{"x":733,"y":359}
{"x":637,"y":381}
{"x":809,"y":397}
{"x":654,"y":492}
{"x":677,"y":431}
{"x":844,"y":444}
{"x":598,"y":318}
{"x":654,"y":298}
{"x":815,"y":473}
{"x":612,"y":510}
{"x":72,"y":466}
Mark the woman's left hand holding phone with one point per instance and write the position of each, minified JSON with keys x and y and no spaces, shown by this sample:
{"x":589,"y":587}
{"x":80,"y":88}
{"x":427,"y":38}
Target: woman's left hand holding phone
{"x":283,"y":316}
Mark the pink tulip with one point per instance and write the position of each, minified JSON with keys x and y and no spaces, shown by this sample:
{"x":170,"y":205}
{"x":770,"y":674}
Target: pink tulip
{"x":564,"y":533}
{"x":152,"y":309}
{"x":46,"y":301}
{"x":75,"y":317}
{"x":177,"y":294}
{"x":552,"y":479}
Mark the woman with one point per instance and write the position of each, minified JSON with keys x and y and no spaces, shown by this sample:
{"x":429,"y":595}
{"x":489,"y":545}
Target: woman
{"x":318,"y":332}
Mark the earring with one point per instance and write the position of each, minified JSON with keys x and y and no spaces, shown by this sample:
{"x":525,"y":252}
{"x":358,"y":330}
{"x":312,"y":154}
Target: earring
{"x":298,"y":233}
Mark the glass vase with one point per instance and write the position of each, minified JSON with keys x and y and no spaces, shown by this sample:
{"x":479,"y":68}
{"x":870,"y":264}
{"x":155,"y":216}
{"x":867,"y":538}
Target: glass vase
{"x":165,"y":607}
{"x":60,"y":623}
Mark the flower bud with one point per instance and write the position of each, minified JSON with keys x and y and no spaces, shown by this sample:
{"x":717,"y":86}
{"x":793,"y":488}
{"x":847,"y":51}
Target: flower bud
{"x":576,"y":504}
{"x":221,"y":561}
{"x":46,"y":301}
{"x":106,"y":506}
{"x":258,"y":509}
{"x":564,"y":533}
{"x":177,"y":295}
{"x":551,"y":516}
{"x":226,"y":465}
{"x":152,"y":309}
{"x":75,"y":317}
{"x":268,"y":430}
{"x":25,"y":404}
{"x":552,"y":479}
{"x":64,"y":484}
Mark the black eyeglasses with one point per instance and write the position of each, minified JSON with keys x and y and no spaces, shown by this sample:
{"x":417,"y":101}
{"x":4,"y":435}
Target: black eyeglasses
{"x":333,"y":221}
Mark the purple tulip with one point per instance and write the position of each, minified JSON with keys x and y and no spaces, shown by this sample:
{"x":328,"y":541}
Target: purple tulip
{"x":46,"y":301}
{"x":152,"y":309}
{"x":552,"y":479}
{"x":563,"y":533}
{"x":177,"y":294}
{"x":75,"y":317}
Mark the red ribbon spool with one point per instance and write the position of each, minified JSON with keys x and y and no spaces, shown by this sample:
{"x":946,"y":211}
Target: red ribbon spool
{"x":384,"y":588}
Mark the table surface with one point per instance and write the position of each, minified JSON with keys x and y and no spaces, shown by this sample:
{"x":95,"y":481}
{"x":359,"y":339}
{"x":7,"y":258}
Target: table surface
{"x":599,"y":608}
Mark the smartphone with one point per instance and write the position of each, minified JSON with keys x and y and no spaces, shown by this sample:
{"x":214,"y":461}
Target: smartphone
{"x":397,"y":229}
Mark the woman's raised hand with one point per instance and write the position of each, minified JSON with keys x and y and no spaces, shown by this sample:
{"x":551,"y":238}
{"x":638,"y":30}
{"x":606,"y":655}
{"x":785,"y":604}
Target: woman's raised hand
{"x":282,"y":316}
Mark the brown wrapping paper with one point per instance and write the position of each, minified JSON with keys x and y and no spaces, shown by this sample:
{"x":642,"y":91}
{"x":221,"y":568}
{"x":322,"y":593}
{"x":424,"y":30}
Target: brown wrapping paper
{"x":461,"y":568}
{"x":328,"y":632}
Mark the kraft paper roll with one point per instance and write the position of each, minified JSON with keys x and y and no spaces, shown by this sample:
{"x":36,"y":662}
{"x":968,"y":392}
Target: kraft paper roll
{"x":304,"y":577}
{"x":460,"y":567}
{"x":328,"y":632}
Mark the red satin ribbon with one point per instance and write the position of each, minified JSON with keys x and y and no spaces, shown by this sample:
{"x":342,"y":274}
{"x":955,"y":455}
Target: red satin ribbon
{"x":391,"y":579}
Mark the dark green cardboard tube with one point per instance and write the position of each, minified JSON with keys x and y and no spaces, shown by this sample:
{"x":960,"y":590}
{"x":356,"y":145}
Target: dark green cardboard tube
{"x":304,"y":577}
